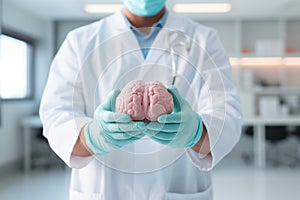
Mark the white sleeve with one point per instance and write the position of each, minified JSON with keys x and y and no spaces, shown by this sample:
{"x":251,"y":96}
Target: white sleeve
{"x":219,"y":107}
{"x":62,"y":104}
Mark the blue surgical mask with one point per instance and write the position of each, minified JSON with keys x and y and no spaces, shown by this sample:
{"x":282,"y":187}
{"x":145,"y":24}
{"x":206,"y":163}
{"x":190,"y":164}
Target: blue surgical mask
{"x":145,"y":8}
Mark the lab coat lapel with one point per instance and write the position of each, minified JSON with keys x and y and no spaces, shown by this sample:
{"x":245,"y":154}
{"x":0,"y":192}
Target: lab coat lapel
{"x":119,"y":53}
{"x":159,"y":54}
{"x":160,"y":46}
{"x":129,"y":43}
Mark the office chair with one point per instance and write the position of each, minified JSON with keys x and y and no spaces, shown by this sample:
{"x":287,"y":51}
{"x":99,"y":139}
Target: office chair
{"x":274,"y":136}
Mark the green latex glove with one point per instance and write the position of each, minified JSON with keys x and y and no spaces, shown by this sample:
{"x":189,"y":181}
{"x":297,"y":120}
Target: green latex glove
{"x":111,"y":130}
{"x":180,"y":129}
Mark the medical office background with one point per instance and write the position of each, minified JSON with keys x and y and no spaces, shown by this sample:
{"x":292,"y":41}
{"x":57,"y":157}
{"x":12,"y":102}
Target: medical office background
{"x":262,"y":38}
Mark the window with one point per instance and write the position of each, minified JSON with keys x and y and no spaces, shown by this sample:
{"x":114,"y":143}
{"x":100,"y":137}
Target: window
{"x":16,"y":67}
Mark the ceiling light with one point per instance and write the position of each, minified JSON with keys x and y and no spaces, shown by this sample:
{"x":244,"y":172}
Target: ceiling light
{"x":102,"y":8}
{"x":202,"y":8}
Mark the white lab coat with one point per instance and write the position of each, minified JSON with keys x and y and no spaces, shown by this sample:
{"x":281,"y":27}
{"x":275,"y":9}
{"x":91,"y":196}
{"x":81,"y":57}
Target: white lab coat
{"x":104,"y":55}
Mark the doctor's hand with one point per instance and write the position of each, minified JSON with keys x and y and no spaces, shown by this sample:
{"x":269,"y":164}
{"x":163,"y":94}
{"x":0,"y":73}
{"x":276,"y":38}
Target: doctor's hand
{"x":180,"y":129}
{"x":110,"y":130}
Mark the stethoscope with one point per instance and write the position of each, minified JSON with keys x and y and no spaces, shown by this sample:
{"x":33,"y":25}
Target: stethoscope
{"x":177,"y":39}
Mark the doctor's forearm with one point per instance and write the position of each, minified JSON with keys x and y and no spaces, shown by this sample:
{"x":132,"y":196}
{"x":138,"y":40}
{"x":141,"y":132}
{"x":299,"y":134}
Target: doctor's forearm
{"x":80,"y":148}
{"x":203,"y":145}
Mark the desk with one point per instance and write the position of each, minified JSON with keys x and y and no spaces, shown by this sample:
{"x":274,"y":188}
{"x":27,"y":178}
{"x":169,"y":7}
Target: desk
{"x":28,"y":124}
{"x":259,"y":124}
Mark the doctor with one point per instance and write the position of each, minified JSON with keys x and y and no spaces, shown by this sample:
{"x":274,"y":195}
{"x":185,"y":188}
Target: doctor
{"x":115,"y":158}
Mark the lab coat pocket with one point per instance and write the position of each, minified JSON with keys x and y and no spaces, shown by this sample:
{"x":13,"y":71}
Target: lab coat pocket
{"x":75,"y":195}
{"x":205,"y":195}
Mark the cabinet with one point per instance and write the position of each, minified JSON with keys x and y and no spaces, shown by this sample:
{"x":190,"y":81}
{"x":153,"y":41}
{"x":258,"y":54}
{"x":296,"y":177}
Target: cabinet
{"x":265,"y":55}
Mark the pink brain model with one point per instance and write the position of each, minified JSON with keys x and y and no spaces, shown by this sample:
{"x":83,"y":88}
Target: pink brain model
{"x":144,"y":101}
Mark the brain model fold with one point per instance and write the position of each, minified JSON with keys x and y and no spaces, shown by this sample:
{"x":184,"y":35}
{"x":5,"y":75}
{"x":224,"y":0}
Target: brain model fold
{"x":144,"y":101}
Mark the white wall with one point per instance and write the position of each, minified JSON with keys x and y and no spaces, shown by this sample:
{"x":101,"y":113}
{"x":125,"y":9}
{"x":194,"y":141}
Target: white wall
{"x":11,"y":142}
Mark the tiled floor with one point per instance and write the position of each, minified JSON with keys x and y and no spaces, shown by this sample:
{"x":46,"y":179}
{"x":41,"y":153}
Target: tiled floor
{"x":233,"y":180}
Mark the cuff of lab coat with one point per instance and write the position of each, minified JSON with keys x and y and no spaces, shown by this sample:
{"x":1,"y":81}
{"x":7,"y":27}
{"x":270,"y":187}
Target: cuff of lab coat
{"x":203,"y":162}
{"x":221,"y":143}
{"x":78,"y":162}
{"x":64,"y":137}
